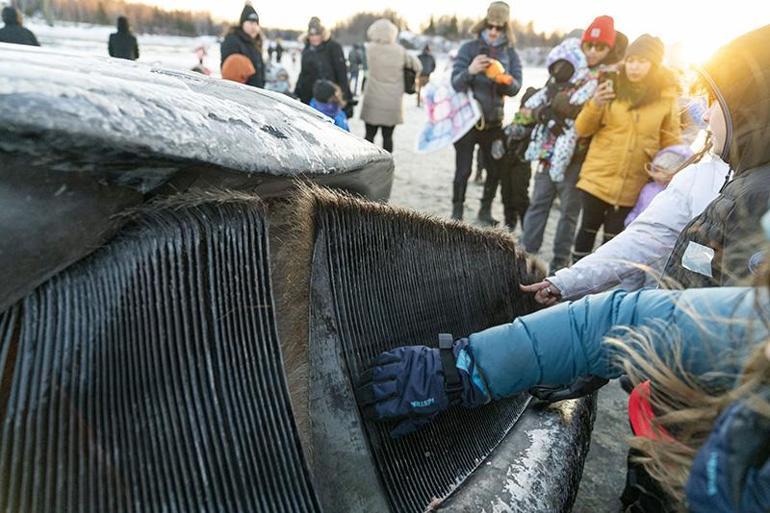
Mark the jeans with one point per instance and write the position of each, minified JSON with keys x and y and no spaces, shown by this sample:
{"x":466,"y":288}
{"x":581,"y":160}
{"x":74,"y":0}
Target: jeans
{"x":544,"y":193}
{"x":464,"y":162}
{"x":597,"y":213}
{"x":387,"y":135}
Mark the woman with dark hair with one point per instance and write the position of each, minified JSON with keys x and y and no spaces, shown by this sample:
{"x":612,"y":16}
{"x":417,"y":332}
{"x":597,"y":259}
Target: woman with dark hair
{"x":630,"y":118}
{"x":246,"y":39}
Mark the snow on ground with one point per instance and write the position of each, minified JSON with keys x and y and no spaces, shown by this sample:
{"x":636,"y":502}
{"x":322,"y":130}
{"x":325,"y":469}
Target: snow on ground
{"x":422,"y":182}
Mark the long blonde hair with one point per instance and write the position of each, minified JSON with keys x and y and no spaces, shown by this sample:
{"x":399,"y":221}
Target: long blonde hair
{"x":683,"y":406}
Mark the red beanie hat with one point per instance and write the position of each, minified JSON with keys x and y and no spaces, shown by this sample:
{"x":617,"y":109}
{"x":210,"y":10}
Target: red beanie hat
{"x":601,"y":30}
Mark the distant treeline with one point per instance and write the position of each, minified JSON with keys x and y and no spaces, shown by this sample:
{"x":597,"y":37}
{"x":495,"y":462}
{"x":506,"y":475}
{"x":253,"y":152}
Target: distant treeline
{"x":353,"y":30}
{"x":143,"y":18}
{"x":149,"y":19}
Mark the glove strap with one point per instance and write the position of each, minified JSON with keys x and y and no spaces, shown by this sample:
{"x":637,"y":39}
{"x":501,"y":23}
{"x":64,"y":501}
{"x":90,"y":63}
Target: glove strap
{"x":452,"y":383}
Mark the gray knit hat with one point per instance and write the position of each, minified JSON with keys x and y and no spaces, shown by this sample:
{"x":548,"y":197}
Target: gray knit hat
{"x":647,"y":46}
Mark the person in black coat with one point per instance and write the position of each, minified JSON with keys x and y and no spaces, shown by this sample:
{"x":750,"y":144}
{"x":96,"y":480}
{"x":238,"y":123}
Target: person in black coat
{"x":322,"y":59}
{"x":13,"y":31}
{"x":123,"y":44}
{"x":246,"y":39}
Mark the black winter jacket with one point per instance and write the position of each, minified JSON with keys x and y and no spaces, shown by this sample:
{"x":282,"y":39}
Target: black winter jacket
{"x":727,"y":238}
{"x":325,"y":61}
{"x":238,"y":41}
{"x":428,"y":64}
{"x":489,"y":94}
{"x":123,"y":45}
{"x":13,"y":32}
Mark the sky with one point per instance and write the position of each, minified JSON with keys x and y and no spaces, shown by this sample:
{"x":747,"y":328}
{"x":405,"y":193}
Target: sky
{"x":696,"y":28}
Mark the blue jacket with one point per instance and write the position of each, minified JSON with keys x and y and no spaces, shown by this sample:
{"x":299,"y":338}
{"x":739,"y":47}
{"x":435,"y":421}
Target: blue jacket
{"x":557,"y":345}
{"x":488,"y":93}
{"x":333,"y":111}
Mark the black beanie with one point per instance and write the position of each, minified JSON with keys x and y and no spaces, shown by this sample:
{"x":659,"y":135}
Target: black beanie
{"x":249,"y":14}
{"x":324,"y":91}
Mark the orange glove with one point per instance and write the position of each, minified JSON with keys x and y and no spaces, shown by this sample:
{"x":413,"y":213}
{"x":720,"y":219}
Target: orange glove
{"x":496,"y":72}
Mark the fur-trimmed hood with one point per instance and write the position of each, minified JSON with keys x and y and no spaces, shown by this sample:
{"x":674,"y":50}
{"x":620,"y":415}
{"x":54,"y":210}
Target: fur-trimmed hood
{"x":570,"y":51}
{"x":739,"y":75}
{"x":479,"y":27}
{"x":327,"y":35}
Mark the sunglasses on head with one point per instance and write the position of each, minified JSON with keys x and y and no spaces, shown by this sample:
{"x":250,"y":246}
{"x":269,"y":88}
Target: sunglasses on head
{"x":491,"y":26}
{"x":590,"y":45}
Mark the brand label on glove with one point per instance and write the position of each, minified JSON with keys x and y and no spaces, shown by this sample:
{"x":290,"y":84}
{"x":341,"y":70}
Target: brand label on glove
{"x":422,"y":404}
{"x":697,"y":258}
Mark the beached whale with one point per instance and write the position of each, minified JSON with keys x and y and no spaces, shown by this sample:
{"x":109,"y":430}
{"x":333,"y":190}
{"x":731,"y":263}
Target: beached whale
{"x":83,"y":139}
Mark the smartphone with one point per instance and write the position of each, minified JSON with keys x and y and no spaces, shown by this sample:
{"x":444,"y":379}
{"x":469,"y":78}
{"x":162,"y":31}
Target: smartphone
{"x":610,"y":76}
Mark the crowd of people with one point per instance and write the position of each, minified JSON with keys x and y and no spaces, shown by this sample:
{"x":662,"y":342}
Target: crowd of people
{"x":608,"y":136}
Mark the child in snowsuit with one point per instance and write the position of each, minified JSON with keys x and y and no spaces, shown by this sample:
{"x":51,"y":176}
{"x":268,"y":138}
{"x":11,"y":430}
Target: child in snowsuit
{"x":554,"y":138}
{"x":666,"y":163}
{"x":517,"y":136}
{"x":327,"y":99}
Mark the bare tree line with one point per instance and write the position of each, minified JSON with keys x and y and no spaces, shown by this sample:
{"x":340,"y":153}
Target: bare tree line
{"x":143,"y":18}
{"x":154,"y":20}
{"x":353,"y":30}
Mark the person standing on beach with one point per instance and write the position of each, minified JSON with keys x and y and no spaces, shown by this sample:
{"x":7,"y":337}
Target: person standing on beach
{"x":601,"y":45}
{"x":246,"y":39}
{"x":428,"y":66}
{"x":322,"y":59}
{"x":123,"y":43}
{"x":493,"y":47}
{"x":14,"y":31}
{"x":634,"y":114}
{"x":383,"y":106}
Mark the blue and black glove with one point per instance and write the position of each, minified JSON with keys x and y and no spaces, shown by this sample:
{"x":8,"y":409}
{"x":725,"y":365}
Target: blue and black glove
{"x":731,"y":472}
{"x":413,"y":384}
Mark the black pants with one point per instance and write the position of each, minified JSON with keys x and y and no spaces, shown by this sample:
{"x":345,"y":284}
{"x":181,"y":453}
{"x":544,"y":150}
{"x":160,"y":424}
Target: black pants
{"x":464,"y":163}
{"x":514,"y":176}
{"x":643,"y":494}
{"x":597,"y":213}
{"x":387,"y":135}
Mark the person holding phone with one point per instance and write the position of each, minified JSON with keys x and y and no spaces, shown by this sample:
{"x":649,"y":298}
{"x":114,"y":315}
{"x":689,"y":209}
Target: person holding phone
{"x":631,"y":116}
{"x":494,"y":42}
{"x":602,"y":46}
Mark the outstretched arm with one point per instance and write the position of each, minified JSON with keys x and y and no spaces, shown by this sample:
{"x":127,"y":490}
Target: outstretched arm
{"x":558,"y":345}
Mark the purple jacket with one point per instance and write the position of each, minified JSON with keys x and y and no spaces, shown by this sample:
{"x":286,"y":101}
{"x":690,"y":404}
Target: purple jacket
{"x":646,"y":196}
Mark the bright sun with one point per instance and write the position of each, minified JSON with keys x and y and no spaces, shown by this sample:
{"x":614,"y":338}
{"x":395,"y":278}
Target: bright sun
{"x":691,"y":51}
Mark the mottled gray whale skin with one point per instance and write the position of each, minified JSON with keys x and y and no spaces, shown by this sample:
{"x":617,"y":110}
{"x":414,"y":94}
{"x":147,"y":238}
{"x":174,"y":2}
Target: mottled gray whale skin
{"x":83,"y":139}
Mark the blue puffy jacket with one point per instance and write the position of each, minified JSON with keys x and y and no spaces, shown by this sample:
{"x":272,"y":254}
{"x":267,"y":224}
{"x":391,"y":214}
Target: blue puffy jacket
{"x":557,"y":345}
{"x":489,"y":94}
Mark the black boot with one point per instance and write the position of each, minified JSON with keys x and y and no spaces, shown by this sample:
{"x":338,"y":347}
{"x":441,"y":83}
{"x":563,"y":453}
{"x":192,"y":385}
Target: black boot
{"x":485,"y":215}
{"x":457,"y":211}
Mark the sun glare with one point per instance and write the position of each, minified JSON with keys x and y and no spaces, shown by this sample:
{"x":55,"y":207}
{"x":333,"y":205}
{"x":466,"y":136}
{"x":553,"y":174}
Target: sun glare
{"x":692,"y":51}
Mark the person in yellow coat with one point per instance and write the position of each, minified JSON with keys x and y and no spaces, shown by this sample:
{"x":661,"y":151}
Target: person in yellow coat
{"x":632,"y":115}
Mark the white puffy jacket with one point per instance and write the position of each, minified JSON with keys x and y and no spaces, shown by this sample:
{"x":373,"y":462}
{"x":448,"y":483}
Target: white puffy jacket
{"x":648,"y":241}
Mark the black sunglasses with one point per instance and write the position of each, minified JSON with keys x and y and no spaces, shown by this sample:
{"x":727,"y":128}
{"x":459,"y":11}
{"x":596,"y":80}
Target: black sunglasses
{"x":499,"y":28}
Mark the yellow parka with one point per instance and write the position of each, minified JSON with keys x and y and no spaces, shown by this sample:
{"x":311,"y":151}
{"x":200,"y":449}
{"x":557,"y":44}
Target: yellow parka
{"x":623,"y":141}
